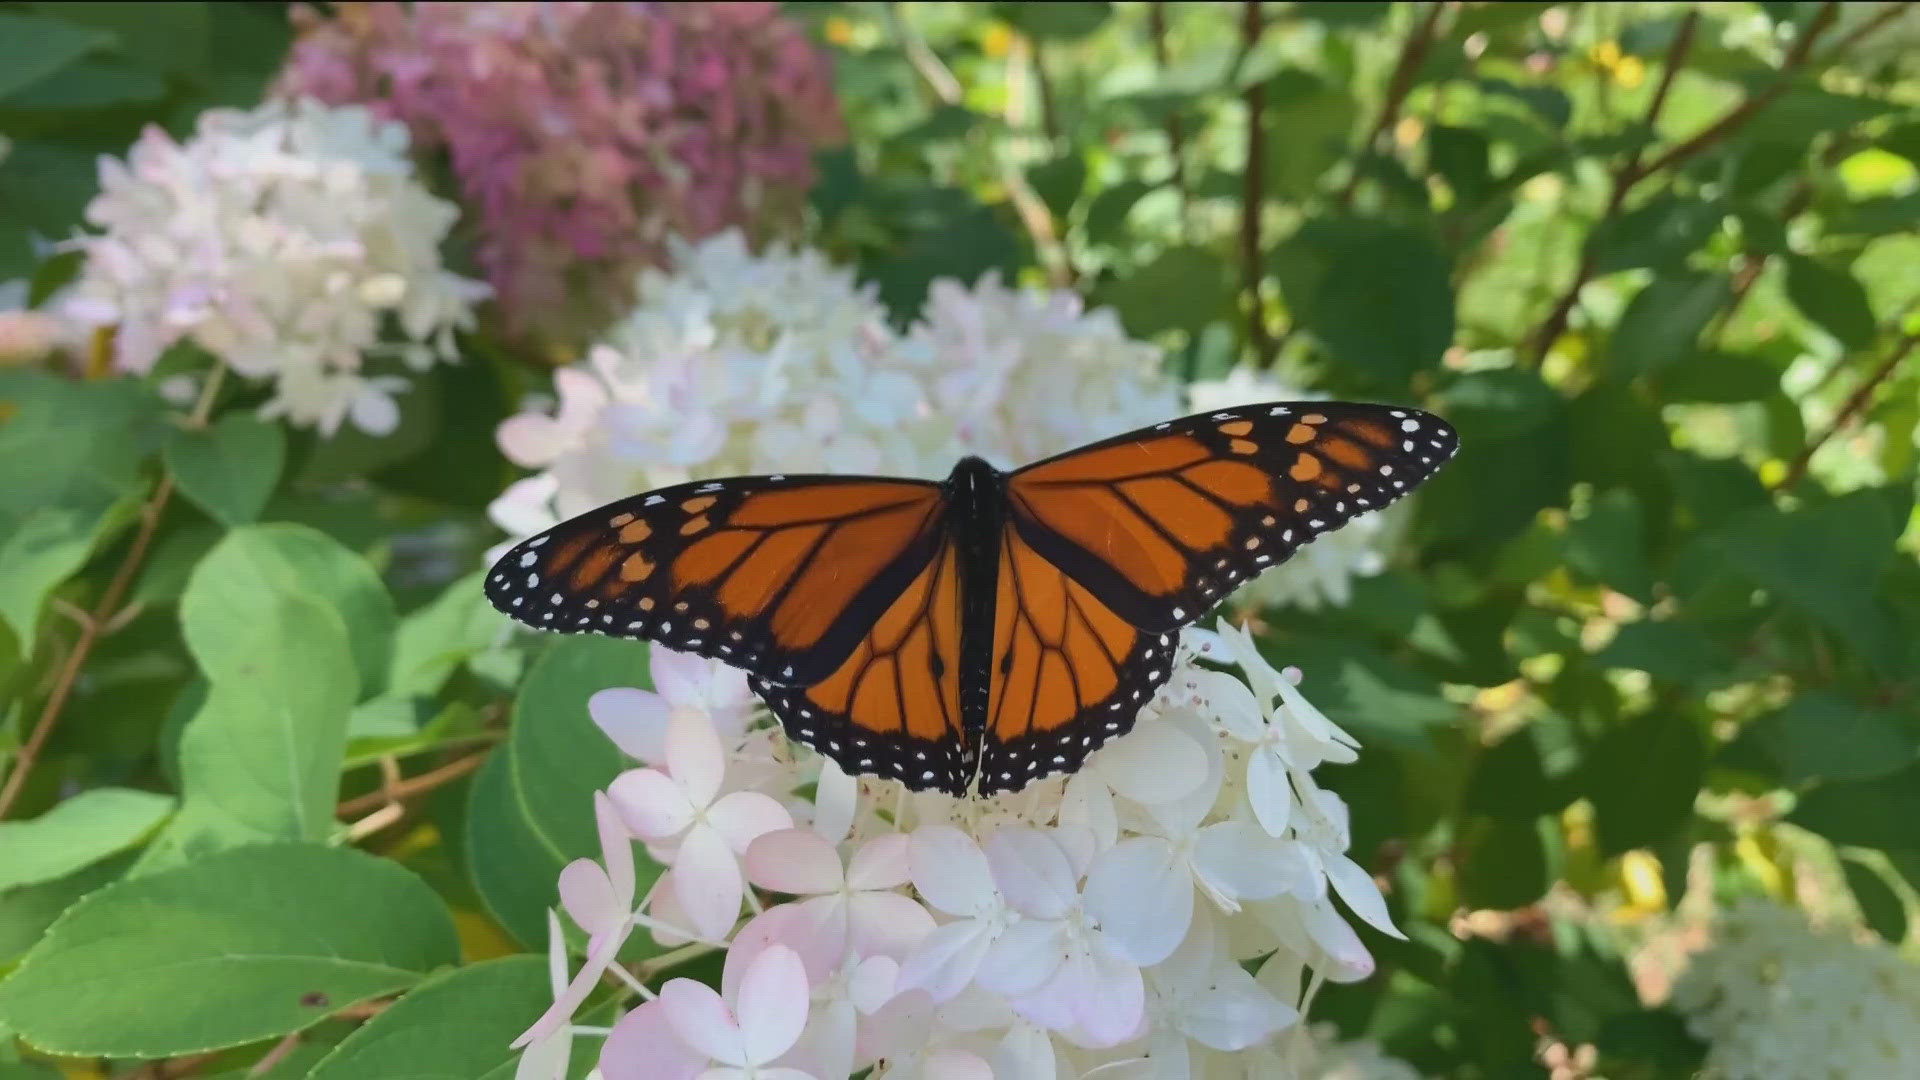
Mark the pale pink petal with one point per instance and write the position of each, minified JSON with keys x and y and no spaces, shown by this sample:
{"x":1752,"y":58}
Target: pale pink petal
{"x":794,"y":861}
{"x":826,"y":1048}
{"x":1155,"y":763}
{"x":773,"y":1003}
{"x":781,"y":1073}
{"x":1356,"y":887}
{"x":589,"y":897}
{"x":702,"y":1021}
{"x":643,"y":1046}
{"x":695,"y":759}
{"x":546,"y":1059}
{"x":897,"y":1029}
{"x":881,"y":863}
{"x":665,"y":907}
{"x":1349,"y":959}
{"x":1239,"y":860}
{"x":616,"y":849}
{"x":950,"y":871}
{"x":680,"y":677}
{"x":706,"y":880}
{"x":635,"y":720}
{"x":1025,"y":1053}
{"x":1268,"y":791}
{"x":1141,"y":892}
{"x":530,"y":440}
{"x":745,"y":816}
{"x":782,"y":924}
{"x":601,"y":949}
{"x":1032,"y":872}
{"x":885,"y":924}
{"x":954,"y":1065}
{"x":946,"y":960}
{"x":835,"y":798}
{"x":1112,"y":1001}
{"x":650,"y":804}
{"x":873,"y":982}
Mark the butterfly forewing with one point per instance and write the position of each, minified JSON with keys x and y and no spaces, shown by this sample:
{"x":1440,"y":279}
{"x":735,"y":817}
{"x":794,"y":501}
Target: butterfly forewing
{"x":780,"y":576}
{"x":1163,"y":522}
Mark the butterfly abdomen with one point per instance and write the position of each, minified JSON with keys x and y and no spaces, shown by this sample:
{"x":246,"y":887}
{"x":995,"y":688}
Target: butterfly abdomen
{"x":976,"y":508}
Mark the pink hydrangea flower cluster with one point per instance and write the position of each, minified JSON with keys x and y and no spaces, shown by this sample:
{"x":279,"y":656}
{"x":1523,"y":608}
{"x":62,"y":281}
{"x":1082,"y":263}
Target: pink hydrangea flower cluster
{"x":582,"y":135}
{"x":1168,"y":911}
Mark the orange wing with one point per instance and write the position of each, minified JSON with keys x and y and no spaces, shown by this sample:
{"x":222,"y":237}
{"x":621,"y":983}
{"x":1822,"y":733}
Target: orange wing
{"x":1162,"y":523}
{"x":1112,"y":548}
{"x":892,"y":707}
{"x":1068,"y":673}
{"x":781,"y":576}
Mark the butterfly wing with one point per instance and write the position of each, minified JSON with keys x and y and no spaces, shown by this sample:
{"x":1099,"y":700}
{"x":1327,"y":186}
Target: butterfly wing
{"x":780,"y":576}
{"x":1162,"y":523}
{"x":892,"y":707}
{"x":1111,"y":548}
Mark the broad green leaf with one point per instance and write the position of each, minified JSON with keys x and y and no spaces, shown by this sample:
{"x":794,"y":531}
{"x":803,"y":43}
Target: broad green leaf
{"x":513,"y":870}
{"x":1719,"y":378}
{"x":84,"y":475}
{"x":1880,"y":906}
{"x":1107,"y":213}
{"x":1825,"y":560}
{"x":1877,"y":813}
{"x":1820,"y":734}
{"x":260,"y":761}
{"x":1059,"y":181}
{"x":1503,"y":861}
{"x":26,"y":912}
{"x":559,"y":757}
{"x":1832,"y":299}
{"x":454,"y":1026}
{"x":434,"y":640}
{"x":1343,"y":276}
{"x":1526,"y":774}
{"x":1309,"y":126}
{"x":1183,"y":288}
{"x":32,"y":48}
{"x":1609,"y":544}
{"x":1062,"y":21}
{"x":1666,"y":649}
{"x":230,"y":468}
{"x":44,"y":550}
{"x":77,"y":833}
{"x":1664,"y":320}
{"x":1461,"y":156}
{"x":240,"y":946}
{"x":1642,"y":777}
{"x":171,"y":37}
{"x":1369,"y":693}
{"x":1659,"y":233}
{"x":256,"y":562}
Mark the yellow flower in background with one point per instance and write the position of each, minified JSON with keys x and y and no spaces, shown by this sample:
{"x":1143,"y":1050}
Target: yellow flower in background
{"x":1627,"y":72}
{"x":996,"y":40}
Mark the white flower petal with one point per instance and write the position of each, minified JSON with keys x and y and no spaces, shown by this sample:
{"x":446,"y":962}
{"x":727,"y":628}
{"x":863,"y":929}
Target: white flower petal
{"x":884,"y":862}
{"x":1023,"y":957}
{"x":885,"y":924}
{"x":702,"y":1021}
{"x":946,"y":960}
{"x":1356,"y":887}
{"x":589,"y":897}
{"x":1032,"y":872}
{"x":745,"y":816}
{"x":706,"y":881}
{"x":1268,"y":792}
{"x":651,"y":804}
{"x":1088,"y":803}
{"x":636,"y":721}
{"x":950,"y":871}
{"x":835,"y":799}
{"x":616,"y":849}
{"x":1241,"y":861}
{"x":772,"y":1004}
{"x":1155,"y":763}
{"x":1141,"y":892}
{"x":695,"y":759}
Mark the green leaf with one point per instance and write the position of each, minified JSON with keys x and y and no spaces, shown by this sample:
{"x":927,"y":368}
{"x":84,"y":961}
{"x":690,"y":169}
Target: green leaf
{"x":1642,"y":777}
{"x":1832,"y":299}
{"x":1718,"y":378}
{"x":1183,"y":288}
{"x":241,"y":946}
{"x":1820,"y":734}
{"x":1309,"y":125}
{"x":230,"y":468}
{"x":1503,"y":862}
{"x":83,"y":475}
{"x":1339,"y":275}
{"x":1059,"y":182}
{"x":33,"y":48}
{"x":261,"y":759}
{"x":1107,"y":213}
{"x":1880,"y":906}
{"x":1060,"y":21}
{"x":44,"y":550}
{"x":1609,"y":544}
{"x":77,"y":833}
{"x":454,"y":1026}
{"x":257,"y":561}
{"x":1525,"y":774}
{"x":1659,"y":233}
{"x":1461,"y":155}
{"x":559,"y":757}
{"x":434,"y":640}
{"x":1670,"y":650}
{"x":104,"y":83}
{"x":171,"y":37}
{"x":513,"y":870}
{"x":26,"y":912}
{"x":1877,"y":813}
{"x":1664,"y":320}
{"x":1825,"y":560}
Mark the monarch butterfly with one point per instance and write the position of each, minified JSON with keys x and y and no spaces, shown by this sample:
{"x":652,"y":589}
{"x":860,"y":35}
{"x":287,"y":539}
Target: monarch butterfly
{"x":977,"y":634}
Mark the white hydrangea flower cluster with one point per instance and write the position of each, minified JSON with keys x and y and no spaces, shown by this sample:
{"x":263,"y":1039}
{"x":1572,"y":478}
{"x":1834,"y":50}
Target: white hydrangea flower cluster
{"x":1103,"y":921}
{"x":1776,"y":999}
{"x":291,"y":241}
{"x":1324,"y":1057}
{"x":1322,"y":573}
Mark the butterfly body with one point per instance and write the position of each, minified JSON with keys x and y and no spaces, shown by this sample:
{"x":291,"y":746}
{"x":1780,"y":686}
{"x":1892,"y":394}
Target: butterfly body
{"x":976,"y":634}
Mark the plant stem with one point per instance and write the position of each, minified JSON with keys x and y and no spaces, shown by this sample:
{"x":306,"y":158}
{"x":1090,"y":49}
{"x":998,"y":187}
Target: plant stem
{"x":1251,"y":192}
{"x":106,"y":610}
{"x":1412,"y":54}
{"x":1855,"y":402}
{"x":408,"y":789}
{"x":1176,"y":134}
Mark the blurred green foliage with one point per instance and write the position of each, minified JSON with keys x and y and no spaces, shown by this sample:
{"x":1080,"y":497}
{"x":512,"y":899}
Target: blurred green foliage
{"x":1657,"y":628}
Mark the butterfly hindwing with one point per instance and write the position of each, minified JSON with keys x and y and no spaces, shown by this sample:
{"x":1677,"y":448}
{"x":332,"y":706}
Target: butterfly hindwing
{"x":1162,"y":523}
{"x":892,"y":707}
{"x":780,"y":576}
